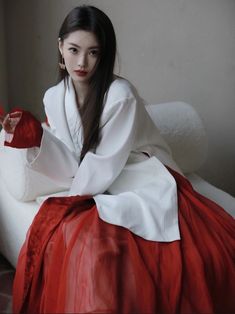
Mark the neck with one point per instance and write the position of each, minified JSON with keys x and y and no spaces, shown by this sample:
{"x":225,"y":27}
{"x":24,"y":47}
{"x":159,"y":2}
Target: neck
{"x":81,"y":91}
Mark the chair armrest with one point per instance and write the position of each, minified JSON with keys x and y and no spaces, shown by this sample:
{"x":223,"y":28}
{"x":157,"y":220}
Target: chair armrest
{"x":220,"y":197}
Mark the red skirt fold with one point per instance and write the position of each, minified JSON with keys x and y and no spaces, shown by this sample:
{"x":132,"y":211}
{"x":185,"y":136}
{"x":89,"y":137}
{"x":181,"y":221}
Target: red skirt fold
{"x":73,"y":262}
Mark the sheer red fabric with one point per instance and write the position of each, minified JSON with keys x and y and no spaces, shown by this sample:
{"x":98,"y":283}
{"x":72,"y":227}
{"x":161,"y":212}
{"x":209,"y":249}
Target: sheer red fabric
{"x":73,"y":262}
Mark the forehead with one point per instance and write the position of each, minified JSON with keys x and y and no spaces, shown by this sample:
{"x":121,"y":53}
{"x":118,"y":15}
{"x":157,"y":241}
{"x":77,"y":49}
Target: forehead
{"x":82,"y":38}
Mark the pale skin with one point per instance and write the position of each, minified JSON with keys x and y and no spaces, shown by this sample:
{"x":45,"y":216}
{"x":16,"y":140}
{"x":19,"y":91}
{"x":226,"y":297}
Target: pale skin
{"x":81,"y":51}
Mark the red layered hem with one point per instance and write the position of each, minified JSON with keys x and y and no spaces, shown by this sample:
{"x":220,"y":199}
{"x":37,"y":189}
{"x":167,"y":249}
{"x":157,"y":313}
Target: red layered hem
{"x":73,"y":262}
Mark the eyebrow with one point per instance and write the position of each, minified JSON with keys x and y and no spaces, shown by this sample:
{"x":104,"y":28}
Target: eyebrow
{"x":93,"y":47}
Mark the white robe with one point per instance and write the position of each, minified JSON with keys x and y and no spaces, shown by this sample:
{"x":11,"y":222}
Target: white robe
{"x":130,"y":189}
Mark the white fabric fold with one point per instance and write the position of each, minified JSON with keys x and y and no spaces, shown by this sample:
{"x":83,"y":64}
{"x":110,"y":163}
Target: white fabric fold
{"x":143,"y":199}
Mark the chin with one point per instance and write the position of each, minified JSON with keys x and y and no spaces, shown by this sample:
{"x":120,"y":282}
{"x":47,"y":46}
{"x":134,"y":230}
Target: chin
{"x":79,"y":79}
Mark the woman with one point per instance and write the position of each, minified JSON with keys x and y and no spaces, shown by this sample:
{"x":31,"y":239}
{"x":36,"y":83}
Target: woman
{"x":131,"y":235}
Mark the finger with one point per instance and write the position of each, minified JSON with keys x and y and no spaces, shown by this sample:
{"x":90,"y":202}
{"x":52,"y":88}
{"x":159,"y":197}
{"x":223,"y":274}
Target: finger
{"x":6,"y":119}
{"x":16,"y":114}
{"x":7,"y":124}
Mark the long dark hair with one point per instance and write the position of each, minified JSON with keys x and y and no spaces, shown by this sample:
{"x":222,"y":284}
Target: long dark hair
{"x":92,"y":19}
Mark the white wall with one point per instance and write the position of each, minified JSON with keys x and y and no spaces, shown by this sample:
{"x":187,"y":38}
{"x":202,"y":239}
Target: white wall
{"x":170,"y":49}
{"x":3,"y":72}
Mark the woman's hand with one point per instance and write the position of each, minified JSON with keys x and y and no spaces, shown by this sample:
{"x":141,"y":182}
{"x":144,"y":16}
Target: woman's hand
{"x":22,"y":129}
{"x":10,"y":121}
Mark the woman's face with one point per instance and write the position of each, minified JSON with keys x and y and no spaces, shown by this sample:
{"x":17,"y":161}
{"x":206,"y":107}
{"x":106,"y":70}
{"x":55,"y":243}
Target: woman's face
{"x":81,"y":52}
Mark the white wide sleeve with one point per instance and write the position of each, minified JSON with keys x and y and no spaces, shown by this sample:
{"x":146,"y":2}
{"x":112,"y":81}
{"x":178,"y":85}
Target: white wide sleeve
{"x":54,"y":160}
{"x":98,"y":170}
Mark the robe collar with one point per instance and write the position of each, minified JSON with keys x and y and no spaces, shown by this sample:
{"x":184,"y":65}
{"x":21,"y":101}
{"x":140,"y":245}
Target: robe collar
{"x":59,"y":106}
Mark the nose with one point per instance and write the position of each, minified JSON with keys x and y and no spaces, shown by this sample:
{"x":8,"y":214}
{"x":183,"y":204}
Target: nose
{"x":82,"y":60}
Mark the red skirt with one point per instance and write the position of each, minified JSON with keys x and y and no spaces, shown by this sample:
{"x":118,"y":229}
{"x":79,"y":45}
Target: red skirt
{"x":73,"y":262}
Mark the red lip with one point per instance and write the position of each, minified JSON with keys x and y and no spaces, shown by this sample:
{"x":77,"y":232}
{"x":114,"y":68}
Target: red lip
{"x":81,"y":73}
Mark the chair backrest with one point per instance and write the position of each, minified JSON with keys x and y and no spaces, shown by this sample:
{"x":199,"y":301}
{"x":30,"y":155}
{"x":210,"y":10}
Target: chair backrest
{"x":183,"y":130}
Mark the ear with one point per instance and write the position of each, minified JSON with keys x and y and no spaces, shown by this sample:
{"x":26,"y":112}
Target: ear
{"x":60,"y":45}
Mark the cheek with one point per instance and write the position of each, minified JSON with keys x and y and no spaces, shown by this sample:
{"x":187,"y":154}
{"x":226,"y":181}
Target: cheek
{"x":93,"y":63}
{"x":68,"y":58}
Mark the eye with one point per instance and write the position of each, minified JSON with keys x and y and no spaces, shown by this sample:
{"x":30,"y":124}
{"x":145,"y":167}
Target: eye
{"x":73,"y":50}
{"x":94,"y":52}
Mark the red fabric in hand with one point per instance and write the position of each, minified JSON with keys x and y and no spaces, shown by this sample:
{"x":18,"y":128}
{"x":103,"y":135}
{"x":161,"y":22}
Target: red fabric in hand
{"x":28,"y":131}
